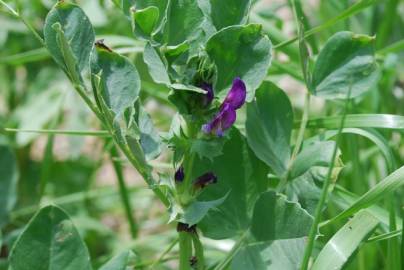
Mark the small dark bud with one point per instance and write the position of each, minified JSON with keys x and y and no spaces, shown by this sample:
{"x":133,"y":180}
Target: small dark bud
{"x":183,"y":227}
{"x":179,"y":175}
{"x":208,"y":97}
{"x":205,"y":180}
{"x":193,"y":261}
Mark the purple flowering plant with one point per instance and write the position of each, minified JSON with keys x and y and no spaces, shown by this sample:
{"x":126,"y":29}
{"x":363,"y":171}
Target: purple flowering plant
{"x":197,"y":111}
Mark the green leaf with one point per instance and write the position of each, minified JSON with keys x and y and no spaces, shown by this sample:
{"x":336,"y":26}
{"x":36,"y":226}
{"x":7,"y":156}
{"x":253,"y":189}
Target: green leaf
{"x":377,"y":192}
{"x":370,"y":134}
{"x":387,"y":121}
{"x":184,"y":18}
{"x":274,"y":255}
{"x":119,"y":83}
{"x":155,"y":64}
{"x":8,"y":182}
{"x":277,"y":218}
{"x":149,"y":137}
{"x":269,"y":126}
{"x":119,"y":262}
{"x":308,"y":173}
{"x":234,"y":214}
{"x":343,"y":244}
{"x":346,"y":61}
{"x":77,"y":30}
{"x":207,"y":148}
{"x":198,"y":210}
{"x":145,"y":21}
{"x":317,"y":154}
{"x":149,"y":17}
{"x":239,"y":51}
{"x":227,"y":13}
{"x":50,"y":242}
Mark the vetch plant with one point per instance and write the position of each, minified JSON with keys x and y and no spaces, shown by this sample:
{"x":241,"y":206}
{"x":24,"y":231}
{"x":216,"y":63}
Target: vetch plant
{"x":245,"y":174}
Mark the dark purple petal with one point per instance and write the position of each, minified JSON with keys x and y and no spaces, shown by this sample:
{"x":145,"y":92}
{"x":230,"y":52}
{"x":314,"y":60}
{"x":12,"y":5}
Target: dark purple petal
{"x":205,"y":179}
{"x":179,"y":174}
{"x":183,"y":227}
{"x":237,"y":94}
{"x":208,"y":97}
{"x":222,"y":121}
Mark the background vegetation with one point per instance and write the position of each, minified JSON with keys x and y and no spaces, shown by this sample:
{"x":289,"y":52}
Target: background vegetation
{"x":53,"y":150}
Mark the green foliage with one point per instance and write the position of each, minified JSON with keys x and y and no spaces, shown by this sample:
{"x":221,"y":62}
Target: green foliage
{"x":119,"y":82}
{"x":50,"y":241}
{"x":8,"y":182}
{"x":269,"y":126}
{"x":239,"y":51}
{"x":77,"y":31}
{"x":275,"y":218}
{"x":119,"y":262}
{"x":218,"y":162}
{"x":341,"y":246}
{"x":229,"y":13}
{"x":346,"y":62}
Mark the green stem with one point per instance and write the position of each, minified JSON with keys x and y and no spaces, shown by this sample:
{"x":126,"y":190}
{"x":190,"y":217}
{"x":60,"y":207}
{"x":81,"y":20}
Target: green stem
{"x":239,"y":244}
{"x":71,"y":198}
{"x":47,"y":160}
{"x":165,"y":252}
{"x":124,"y":194}
{"x":185,"y":243}
{"x":100,"y":133}
{"x":324,"y":193}
{"x":200,"y":258}
{"x":385,"y":236}
{"x":27,"y":24}
{"x":141,"y":265}
{"x":402,"y":240}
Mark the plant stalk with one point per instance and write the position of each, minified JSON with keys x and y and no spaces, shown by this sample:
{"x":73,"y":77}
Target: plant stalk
{"x":324,"y":193}
{"x":124,"y":194}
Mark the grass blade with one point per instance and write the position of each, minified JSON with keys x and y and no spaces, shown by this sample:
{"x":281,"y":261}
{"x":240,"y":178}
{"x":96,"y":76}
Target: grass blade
{"x":342,"y":245}
{"x":379,"y":191}
{"x":386,"y":121}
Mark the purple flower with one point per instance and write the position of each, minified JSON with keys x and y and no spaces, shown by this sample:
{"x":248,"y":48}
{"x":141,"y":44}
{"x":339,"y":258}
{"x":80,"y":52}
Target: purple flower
{"x":179,"y":175}
{"x":236,"y":95}
{"x":205,"y":179}
{"x":208,"y":97}
{"x":222,"y":121}
{"x":226,"y":116}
